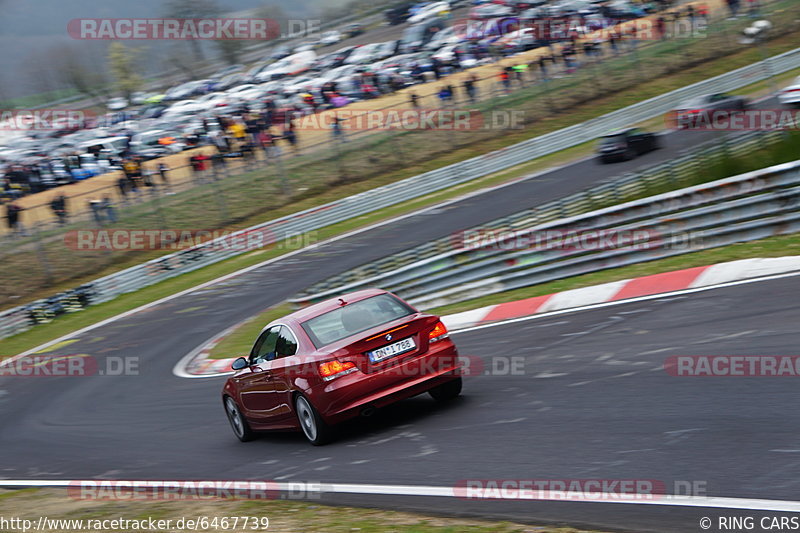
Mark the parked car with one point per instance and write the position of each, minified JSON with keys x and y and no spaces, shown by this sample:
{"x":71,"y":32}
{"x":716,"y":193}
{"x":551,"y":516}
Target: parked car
{"x":790,"y":95}
{"x":626,"y":144}
{"x":280,"y":52}
{"x":351,"y":30}
{"x":116,"y":104}
{"x":418,"y":35}
{"x":330,"y":37}
{"x":433,"y":10}
{"x":336,"y":360}
{"x":398,"y":14}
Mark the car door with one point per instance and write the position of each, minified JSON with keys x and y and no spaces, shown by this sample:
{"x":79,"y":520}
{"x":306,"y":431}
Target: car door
{"x":636,"y":141}
{"x":256,"y":387}
{"x":282,"y":371}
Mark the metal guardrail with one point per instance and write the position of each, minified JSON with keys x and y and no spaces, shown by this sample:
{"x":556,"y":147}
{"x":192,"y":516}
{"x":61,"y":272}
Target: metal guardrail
{"x":605,"y":194}
{"x":743,"y":208}
{"x":19,"y":319}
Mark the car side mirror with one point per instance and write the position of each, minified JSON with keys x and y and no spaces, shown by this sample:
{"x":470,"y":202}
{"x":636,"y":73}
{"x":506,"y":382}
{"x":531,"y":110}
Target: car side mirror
{"x":240,"y":363}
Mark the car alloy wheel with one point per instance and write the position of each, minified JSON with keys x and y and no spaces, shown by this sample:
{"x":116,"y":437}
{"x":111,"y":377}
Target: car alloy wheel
{"x":239,"y":425}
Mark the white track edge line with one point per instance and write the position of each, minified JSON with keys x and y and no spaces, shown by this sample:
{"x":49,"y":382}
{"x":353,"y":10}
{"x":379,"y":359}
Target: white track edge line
{"x":756,"y":504}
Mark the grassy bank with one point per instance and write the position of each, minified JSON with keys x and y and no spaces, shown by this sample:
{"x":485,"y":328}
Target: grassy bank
{"x":284,"y":516}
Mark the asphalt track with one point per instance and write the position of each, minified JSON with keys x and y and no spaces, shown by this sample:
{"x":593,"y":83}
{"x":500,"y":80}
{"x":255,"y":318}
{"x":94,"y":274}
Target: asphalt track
{"x":593,"y":401}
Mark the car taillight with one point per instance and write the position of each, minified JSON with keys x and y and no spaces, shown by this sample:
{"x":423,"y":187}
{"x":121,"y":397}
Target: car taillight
{"x":438,"y":333}
{"x":335,"y":369}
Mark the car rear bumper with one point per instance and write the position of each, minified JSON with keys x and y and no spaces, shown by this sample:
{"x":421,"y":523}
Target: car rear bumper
{"x":347,"y":396}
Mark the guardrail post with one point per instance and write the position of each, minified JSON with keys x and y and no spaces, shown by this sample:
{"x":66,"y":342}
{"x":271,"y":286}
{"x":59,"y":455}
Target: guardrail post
{"x":42,"y":255}
{"x":219,"y":196}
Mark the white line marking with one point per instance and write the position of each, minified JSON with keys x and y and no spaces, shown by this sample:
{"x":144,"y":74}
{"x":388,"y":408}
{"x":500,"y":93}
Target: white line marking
{"x":752,"y":504}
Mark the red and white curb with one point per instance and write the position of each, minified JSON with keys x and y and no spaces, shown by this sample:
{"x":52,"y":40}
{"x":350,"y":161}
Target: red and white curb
{"x":197,"y":363}
{"x":628,"y":289}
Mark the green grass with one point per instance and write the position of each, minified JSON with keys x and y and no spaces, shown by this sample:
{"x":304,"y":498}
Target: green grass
{"x":284,"y":515}
{"x":238,"y":343}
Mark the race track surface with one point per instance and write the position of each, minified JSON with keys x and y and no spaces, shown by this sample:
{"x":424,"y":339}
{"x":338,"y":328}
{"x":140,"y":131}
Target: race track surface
{"x":593,"y":401}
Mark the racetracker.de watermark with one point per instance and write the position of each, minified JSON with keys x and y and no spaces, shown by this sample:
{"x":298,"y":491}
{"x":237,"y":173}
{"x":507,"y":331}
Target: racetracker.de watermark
{"x":572,"y":239}
{"x":560,"y":489}
{"x":175,"y":29}
{"x":466,"y":365}
{"x":183,"y":239}
{"x":547,"y":29}
{"x":726,"y":366}
{"x":43,"y":119}
{"x":348,"y":120}
{"x":734,"y":119}
{"x":193,"y":490}
{"x":72,"y":365}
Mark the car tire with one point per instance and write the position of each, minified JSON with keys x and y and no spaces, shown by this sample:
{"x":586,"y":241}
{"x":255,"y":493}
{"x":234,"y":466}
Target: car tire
{"x":311,"y":423}
{"x":238,"y":422}
{"x":447,"y":391}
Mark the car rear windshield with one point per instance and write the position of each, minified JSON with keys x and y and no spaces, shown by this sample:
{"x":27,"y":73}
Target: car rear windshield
{"x":354,"y":318}
{"x":613,"y":139}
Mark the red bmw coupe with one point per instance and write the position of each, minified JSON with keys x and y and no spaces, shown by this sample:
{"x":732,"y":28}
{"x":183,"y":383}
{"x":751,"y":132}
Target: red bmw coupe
{"x":339,"y":359}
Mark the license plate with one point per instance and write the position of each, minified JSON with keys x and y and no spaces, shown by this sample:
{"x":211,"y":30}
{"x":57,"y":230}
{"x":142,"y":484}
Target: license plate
{"x":393,"y":349}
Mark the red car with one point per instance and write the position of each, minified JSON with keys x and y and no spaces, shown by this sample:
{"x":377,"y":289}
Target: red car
{"x":336,"y":360}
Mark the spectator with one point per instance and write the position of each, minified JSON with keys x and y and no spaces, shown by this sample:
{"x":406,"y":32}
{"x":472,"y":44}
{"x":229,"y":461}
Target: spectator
{"x":336,"y":130}
{"x":147,"y":177}
{"x":291,"y":136}
{"x":505,"y":79}
{"x":163,"y":171}
{"x":414,"y":100}
{"x":543,"y":67}
{"x":218,"y":165}
{"x":451,"y":92}
{"x":267,"y":142}
{"x":107,"y":207}
{"x":469,"y":87}
{"x":122,"y":185}
{"x":59,"y":206}
{"x":13,"y":211}
{"x":96,"y":207}
{"x":444,"y":95}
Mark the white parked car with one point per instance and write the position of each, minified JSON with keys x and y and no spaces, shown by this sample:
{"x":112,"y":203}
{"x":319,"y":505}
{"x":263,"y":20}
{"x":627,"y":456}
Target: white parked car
{"x":184,"y":107}
{"x":116,"y":104}
{"x":364,"y":54}
{"x":330,"y":37}
{"x":432,"y":10}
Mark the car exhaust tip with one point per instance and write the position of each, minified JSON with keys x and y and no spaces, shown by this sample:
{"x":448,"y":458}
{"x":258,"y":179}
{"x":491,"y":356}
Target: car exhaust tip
{"x":368,"y":411}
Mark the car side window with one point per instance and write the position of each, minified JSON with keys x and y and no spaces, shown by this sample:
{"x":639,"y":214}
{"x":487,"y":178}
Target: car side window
{"x":287,"y":343}
{"x":265,"y":347}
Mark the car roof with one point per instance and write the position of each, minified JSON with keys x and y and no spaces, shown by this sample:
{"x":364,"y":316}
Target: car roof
{"x":617,"y":132}
{"x":320,"y":308}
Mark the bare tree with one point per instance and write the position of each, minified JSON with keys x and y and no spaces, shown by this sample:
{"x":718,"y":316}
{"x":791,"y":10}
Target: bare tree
{"x":74,"y":69}
{"x":122,"y":64}
{"x":192,"y":9}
